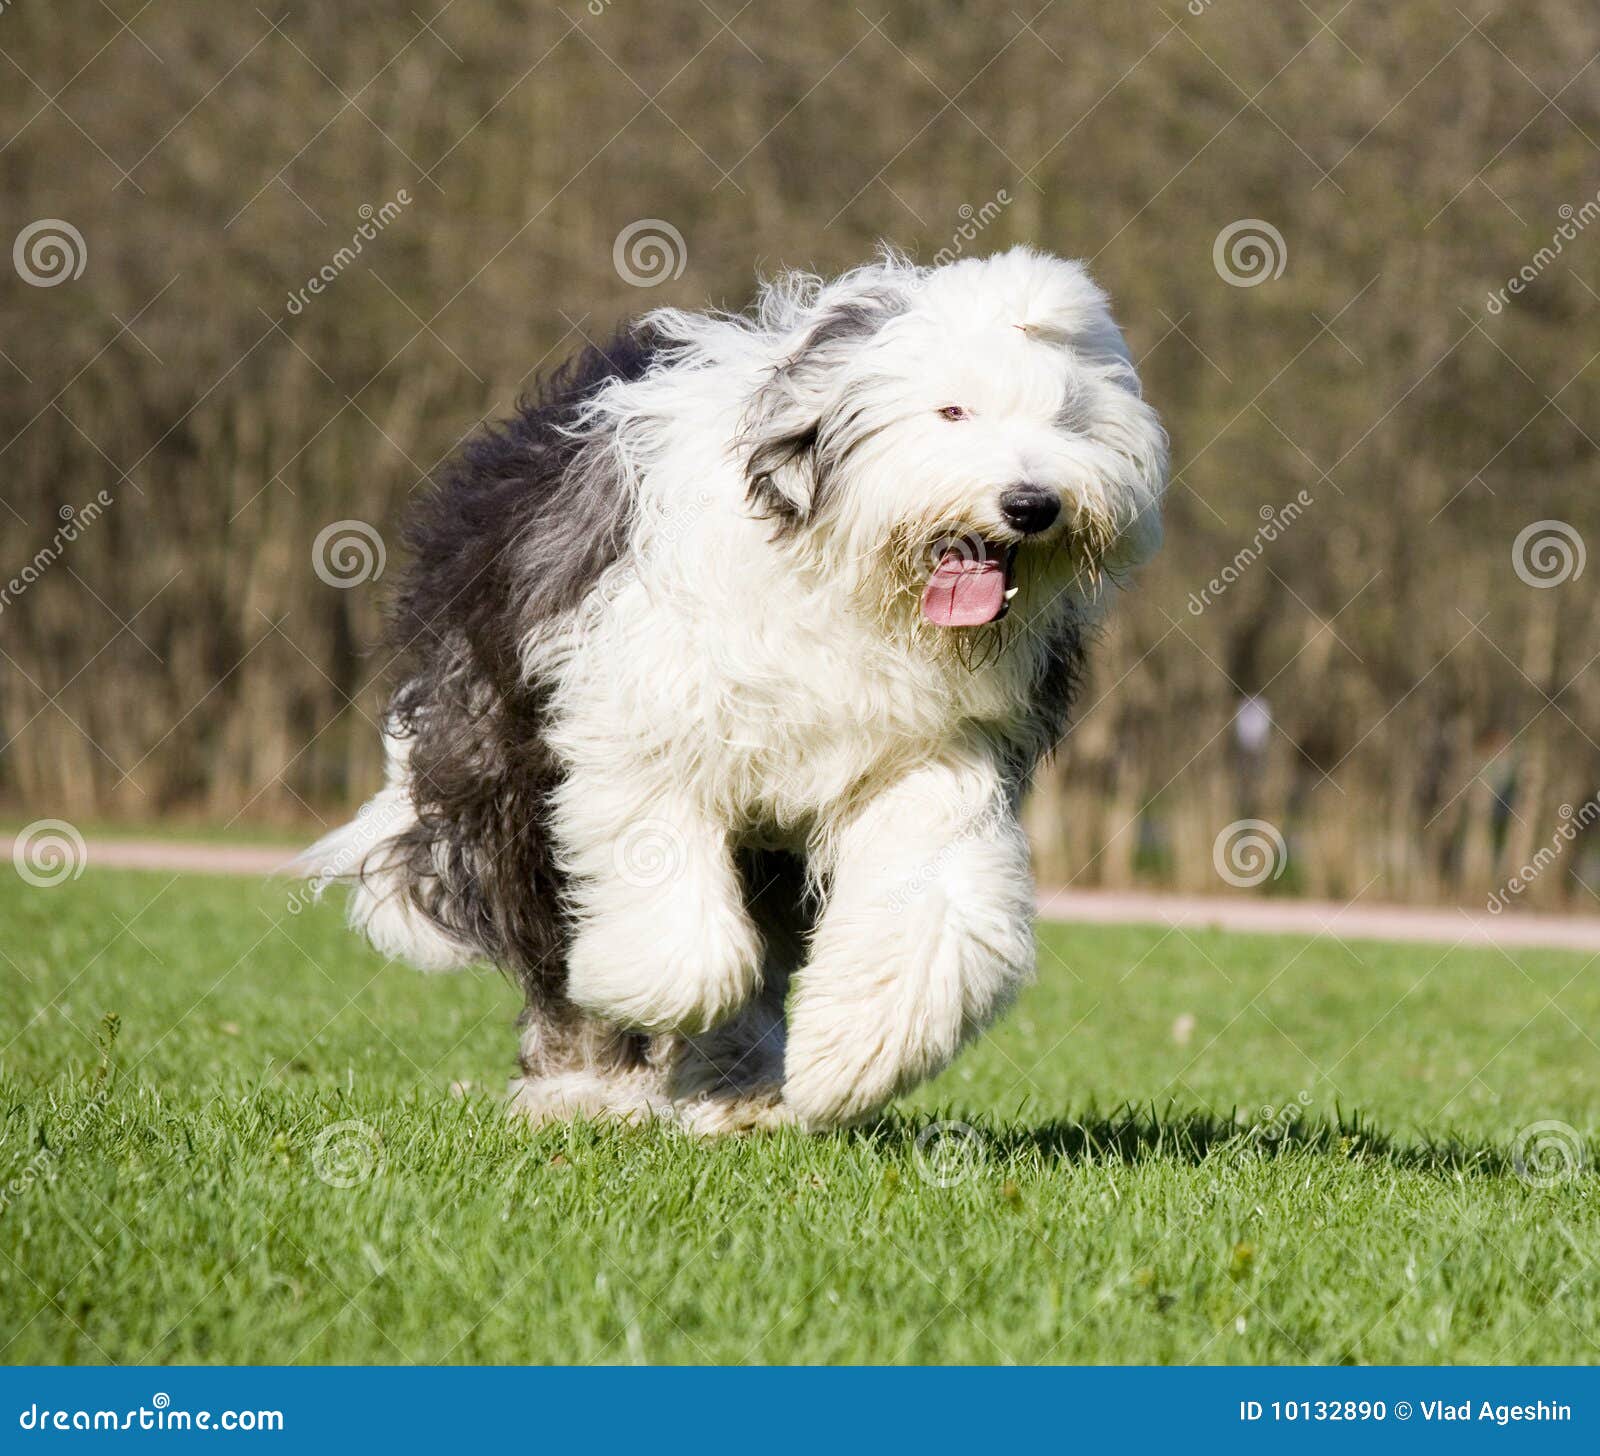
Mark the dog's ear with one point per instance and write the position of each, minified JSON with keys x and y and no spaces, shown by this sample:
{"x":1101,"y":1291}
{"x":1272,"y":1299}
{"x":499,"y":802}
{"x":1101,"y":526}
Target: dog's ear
{"x":781,"y":466}
{"x":786,"y":437}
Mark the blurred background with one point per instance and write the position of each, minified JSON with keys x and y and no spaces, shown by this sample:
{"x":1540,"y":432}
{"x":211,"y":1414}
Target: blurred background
{"x":268,"y":267}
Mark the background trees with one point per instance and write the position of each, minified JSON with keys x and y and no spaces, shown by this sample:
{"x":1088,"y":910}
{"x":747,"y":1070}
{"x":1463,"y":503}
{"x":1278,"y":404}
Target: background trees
{"x":1432,"y":710}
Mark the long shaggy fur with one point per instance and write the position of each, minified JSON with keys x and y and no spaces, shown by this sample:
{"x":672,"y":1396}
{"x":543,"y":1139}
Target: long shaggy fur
{"x":680,"y":743}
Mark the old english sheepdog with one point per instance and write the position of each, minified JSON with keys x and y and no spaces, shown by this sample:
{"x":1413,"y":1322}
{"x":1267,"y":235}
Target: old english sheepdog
{"x":726,"y":662}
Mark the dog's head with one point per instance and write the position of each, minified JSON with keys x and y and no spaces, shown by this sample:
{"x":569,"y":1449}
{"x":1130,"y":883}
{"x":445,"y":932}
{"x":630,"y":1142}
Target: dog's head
{"x":946,"y":439}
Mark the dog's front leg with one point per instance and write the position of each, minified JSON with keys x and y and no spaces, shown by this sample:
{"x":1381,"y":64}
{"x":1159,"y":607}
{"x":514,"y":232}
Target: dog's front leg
{"x":662,"y":940}
{"x":926,"y":935}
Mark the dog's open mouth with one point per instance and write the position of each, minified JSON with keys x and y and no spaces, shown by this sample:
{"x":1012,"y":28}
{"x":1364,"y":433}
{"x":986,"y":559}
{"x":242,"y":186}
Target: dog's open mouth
{"x":970,"y":583}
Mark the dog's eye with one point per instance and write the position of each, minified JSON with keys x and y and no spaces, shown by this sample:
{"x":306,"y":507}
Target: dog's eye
{"x":955,"y":412}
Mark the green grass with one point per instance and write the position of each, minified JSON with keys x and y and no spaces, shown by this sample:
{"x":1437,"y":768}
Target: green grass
{"x":200,"y":831}
{"x":163,"y":1201}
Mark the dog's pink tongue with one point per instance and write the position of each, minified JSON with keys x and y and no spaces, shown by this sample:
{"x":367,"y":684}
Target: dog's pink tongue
{"x":963,"y":593}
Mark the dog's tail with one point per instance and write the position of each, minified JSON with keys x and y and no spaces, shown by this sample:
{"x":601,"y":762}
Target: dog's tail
{"x":372,"y":855}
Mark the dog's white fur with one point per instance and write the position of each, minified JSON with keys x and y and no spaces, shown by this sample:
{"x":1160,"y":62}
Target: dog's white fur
{"x":727,"y":684}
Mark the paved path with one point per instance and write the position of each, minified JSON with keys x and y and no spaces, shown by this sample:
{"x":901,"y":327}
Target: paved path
{"x":204,"y":859}
{"x":1362,"y":921}
{"x":1242,"y":913}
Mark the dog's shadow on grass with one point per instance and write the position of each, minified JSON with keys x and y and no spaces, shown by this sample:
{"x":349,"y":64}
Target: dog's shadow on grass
{"x":1141,"y":1135}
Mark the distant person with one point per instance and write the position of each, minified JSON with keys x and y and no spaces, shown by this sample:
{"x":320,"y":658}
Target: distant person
{"x":1252,"y":730}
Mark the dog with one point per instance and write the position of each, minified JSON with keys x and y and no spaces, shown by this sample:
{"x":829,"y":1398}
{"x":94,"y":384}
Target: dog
{"x":725,"y":664}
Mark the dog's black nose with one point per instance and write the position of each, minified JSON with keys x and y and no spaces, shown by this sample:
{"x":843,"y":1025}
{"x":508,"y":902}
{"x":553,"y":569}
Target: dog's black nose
{"x":1030,"y":508}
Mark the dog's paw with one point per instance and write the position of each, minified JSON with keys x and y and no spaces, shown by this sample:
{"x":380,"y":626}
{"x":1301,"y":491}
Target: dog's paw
{"x":568,"y":1095}
{"x":819,"y":1105}
{"x":834,"y":1085}
{"x":716,"y":1115}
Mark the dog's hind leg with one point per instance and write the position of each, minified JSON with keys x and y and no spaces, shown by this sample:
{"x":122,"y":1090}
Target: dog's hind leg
{"x":573,"y":1065}
{"x":731,"y":1079}
{"x":927,"y":933}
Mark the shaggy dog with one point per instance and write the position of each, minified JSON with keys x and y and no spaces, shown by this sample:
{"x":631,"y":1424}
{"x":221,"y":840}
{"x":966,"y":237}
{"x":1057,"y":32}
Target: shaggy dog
{"x":726,"y":664}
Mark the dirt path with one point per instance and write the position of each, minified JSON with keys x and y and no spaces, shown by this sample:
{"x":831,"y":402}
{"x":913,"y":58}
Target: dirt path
{"x":1243,"y":914}
{"x":1361,"y":921}
{"x":191,"y":858}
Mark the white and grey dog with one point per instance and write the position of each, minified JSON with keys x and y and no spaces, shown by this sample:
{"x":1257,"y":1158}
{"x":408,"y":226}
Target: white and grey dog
{"x":727,"y":661}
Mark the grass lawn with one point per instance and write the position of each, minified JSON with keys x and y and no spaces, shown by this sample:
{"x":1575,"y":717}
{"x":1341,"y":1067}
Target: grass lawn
{"x":204,"y":831}
{"x":271,"y":1160}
